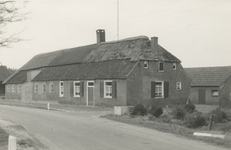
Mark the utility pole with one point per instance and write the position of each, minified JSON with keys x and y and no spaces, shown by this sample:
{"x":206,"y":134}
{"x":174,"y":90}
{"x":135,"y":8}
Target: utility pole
{"x":118,"y":20}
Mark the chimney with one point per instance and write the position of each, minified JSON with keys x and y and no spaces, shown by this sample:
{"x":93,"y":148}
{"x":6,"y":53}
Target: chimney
{"x":154,"y":46}
{"x":100,"y":35}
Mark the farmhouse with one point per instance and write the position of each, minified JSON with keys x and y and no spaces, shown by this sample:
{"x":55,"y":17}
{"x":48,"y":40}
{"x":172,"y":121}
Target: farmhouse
{"x":210,"y":85}
{"x":4,"y":73}
{"x":125,"y":72}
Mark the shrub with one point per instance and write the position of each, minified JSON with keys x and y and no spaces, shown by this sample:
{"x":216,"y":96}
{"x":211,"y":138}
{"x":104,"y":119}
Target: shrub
{"x":219,"y":115}
{"x":190,"y":107}
{"x":139,"y":110}
{"x":195,"y":120}
{"x":179,"y":113}
{"x":156,"y":111}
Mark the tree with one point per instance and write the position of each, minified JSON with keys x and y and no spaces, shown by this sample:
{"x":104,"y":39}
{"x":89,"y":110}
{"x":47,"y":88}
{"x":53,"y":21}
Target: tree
{"x":9,"y":13}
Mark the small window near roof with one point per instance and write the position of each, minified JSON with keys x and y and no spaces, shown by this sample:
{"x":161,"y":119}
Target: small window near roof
{"x":215,"y":93}
{"x":161,"y":66}
{"x":146,"y":64}
{"x":174,"y":66}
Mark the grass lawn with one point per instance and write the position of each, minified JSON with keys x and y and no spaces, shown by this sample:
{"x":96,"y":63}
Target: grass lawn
{"x":3,"y":139}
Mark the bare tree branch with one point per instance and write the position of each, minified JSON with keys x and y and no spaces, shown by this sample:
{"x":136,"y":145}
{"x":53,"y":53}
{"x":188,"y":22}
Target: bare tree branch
{"x":9,"y":14}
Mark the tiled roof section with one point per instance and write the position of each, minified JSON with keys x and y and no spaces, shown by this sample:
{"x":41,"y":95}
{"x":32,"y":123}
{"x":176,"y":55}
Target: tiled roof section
{"x":138,"y":48}
{"x":117,"y":69}
{"x":73,"y":55}
{"x":4,"y":73}
{"x":40,"y":60}
{"x":18,"y":78}
{"x":208,"y":76}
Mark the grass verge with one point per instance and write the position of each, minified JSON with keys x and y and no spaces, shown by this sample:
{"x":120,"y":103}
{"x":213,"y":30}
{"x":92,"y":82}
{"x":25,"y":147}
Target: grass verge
{"x":3,"y":138}
{"x":170,"y":128}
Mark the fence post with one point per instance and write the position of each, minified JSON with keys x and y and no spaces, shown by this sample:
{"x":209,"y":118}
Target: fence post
{"x":48,"y":106}
{"x":12,"y":143}
{"x":211,"y":121}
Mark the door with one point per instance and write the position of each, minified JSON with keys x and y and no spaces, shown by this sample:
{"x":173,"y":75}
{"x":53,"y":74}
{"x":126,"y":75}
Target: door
{"x":90,"y":93}
{"x":201,"y":96}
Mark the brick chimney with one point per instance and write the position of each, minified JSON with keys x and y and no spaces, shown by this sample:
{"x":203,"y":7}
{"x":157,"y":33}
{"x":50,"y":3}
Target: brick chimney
{"x":154,"y":45}
{"x":100,"y":35}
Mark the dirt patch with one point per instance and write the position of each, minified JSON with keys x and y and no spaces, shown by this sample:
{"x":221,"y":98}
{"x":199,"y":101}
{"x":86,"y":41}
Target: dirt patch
{"x":25,"y":141}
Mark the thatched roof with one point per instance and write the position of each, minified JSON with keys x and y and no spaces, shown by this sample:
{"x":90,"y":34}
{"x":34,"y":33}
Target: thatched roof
{"x":132,"y":49}
{"x":208,"y":76}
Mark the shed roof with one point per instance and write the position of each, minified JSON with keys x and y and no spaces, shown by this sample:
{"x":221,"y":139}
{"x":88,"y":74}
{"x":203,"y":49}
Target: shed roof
{"x":4,"y":73}
{"x":115,"y":69}
{"x":208,"y":76}
{"x":19,"y":77}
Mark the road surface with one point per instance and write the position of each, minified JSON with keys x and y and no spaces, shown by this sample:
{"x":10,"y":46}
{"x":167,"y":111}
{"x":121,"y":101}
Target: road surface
{"x":86,"y":131}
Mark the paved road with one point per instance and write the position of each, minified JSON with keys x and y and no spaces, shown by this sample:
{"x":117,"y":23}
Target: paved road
{"x":86,"y":131}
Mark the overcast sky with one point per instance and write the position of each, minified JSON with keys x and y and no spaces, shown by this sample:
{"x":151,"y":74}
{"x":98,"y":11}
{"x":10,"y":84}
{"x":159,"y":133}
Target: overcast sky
{"x":198,"y":32}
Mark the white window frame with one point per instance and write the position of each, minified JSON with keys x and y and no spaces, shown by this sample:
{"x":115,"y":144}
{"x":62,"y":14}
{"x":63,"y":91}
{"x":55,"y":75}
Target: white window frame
{"x":76,"y":88}
{"x":159,"y":66}
{"x":36,"y":88}
{"x":159,"y":91}
{"x":146,"y":64}
{"x":8,"y":88}
{"x":174,"y":66}
{"x":178,"y":86}
{"x":51,"y":88}
{"x":13,"y":88}
{"x":106,"y":87}
{"x":43,"y":88}
{"x":61,"y":89}
{"x":19,"y":88}
{"x":212,"y":93}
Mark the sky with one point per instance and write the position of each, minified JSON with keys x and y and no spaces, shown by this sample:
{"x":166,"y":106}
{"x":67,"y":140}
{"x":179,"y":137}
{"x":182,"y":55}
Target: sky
{"x":198,"y":32}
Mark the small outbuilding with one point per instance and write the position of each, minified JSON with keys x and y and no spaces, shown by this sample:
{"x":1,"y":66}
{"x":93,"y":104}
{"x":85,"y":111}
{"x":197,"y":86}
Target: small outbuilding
{"x":125,"y":72}
{"x":210,"y":85}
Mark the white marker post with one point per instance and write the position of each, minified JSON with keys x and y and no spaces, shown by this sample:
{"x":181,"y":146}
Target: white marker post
{"x":48,"y":106}
{"x":12,"y":143}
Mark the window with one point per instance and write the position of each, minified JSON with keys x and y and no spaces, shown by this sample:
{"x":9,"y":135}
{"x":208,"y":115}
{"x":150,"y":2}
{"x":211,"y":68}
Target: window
{"x":178,"y":85}
{"x":19,"y":88}
{"x":146,"y":64}
{"x":161,"y":66}
{"x":174,"y":66}
{"x":51,"y":88}
{"x":215,"y":93}
{"x":13,"y":88}
{"x":36,"y":88}
{"x":159,"y":89}
{"x":8,"y":88}
{"x":108,"y":89}
{"x":61,"y":89}
{"x":77,"y":89}
{"x":90,"y":83}
{"x":44,"y":88}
